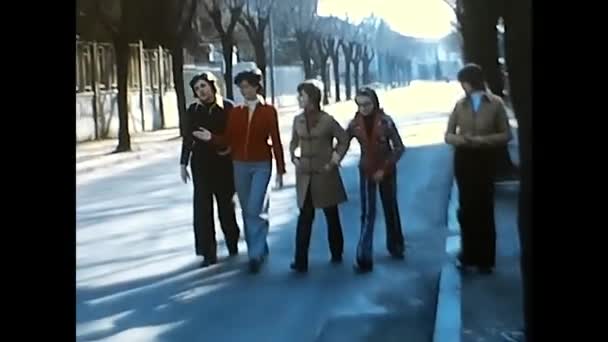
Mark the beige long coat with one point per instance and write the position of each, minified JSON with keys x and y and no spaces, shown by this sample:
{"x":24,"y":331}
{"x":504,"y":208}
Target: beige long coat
{"x":317,"y":148}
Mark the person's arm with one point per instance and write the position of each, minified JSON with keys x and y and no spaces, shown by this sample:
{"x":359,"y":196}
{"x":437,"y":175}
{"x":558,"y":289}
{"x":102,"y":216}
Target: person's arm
{"x":222,"y":140}
{"x":187,"y":139}
{"x":295,"y":141}
{"x":503,"y":131}
{"x":343,"y":142}
{"x":450,"y":135}
{"x":397,"y":146}
{"x":222,"y":126}
{"x":277,"y":146}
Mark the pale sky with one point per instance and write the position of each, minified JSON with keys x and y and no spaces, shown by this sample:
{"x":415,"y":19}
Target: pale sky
{"x":418,"y":18}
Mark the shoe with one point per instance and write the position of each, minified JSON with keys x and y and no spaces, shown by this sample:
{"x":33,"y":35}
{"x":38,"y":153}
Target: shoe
{"x":400,"y":255}
{"x":208,"y":262}
{"x":361,"y":266}
{"x":232,"y":252}
{"x":298,"y":267}
{"x":336,"y":259}
{"x":254,"y":265}
{"x":486,"y":270}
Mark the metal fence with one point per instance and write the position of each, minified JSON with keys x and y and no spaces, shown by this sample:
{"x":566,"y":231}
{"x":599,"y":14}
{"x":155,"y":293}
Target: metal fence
{"x":96,"y":63}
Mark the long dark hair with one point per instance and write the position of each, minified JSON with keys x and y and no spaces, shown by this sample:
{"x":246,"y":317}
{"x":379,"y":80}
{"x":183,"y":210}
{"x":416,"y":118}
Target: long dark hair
{"x":371,"y":93}
{"x":313,"y":92}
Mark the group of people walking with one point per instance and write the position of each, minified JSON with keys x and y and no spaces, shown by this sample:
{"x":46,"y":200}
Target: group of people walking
{"x":230,"y":150}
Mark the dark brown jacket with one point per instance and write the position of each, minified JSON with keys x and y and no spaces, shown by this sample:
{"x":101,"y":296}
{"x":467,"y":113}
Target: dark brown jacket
{"x":490,"y":123}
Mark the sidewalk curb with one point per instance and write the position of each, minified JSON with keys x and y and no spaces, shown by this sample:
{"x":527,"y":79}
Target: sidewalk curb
{"x":448,"y":314}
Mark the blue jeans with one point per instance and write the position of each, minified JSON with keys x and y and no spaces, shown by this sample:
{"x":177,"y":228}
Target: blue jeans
{"x":251,"y":181}
{"x":388,"y":195}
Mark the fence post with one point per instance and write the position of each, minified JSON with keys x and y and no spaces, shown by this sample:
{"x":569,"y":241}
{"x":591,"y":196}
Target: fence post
{"x":95,"y":79}
{"x":142,"y":87}
{"x":161,"y":88}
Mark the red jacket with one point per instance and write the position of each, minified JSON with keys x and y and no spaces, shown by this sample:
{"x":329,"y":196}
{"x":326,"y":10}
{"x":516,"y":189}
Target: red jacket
{"x":248,"y":141}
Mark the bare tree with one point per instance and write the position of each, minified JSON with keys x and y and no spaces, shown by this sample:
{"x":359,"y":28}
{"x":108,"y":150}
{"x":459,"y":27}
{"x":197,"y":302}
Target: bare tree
{"x":303,"y":14}
{"x":368,"y":57}
{"x":357,"y":57}
{"x":217,"y":11}
{"x":177,"y":18}
{"x":325,"y":45}
{"x":255,"y":20}
{"x":369,"y":28}
{"x":332,"y":46}
{"x":348,"y":44}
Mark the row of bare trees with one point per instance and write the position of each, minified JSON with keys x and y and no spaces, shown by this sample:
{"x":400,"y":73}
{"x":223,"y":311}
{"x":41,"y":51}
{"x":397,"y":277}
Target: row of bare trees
{"x":175,"y":23}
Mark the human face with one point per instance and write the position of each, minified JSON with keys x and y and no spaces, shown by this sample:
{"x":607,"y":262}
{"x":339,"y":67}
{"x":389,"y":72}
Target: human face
{"x":303,"y":100}
{"x":466,"y":86}
{"x":204,"y":91}
{"x":365,"y":105}
{"x":248,"y":91}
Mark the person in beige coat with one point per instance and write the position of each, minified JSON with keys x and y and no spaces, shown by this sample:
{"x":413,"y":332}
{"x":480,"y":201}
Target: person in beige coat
{"x":318,"y":180}
{"x":478,"y":128}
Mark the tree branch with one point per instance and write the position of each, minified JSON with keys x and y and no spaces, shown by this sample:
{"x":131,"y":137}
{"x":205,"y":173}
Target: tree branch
{"x":235,"y":14}
{"x":188,"y":22}
{"x":113,"y":30}
{"x":216,"y":16}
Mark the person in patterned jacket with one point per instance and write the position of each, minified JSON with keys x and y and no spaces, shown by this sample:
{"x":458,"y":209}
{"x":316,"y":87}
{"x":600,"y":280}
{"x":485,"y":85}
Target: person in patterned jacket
{"x":381,"y":149}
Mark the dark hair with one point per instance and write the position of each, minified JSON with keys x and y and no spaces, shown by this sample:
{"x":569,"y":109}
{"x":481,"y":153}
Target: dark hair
{"x":371,"y":93}
{"x":208,"y":77}
{"x":313,"y":92}
{"x":253,"y":77}
{"x":473,"y":75}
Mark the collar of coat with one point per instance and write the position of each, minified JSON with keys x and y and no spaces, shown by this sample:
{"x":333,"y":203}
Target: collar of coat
{"x":259,"y":99}
{"x":359,"y":119}
{"x":219,"y":102}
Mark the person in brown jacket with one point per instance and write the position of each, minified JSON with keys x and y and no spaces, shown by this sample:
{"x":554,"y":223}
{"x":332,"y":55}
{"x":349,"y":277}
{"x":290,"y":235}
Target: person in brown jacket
{"x":381,"y":149}
{"x":318,"y":181}
{"x":478,"y":128}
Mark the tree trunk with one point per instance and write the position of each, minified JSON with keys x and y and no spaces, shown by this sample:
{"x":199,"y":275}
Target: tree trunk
{"x":121,"y":47}
{"x":366,"y":64}
{"x":260,"y":58}
{"x":227,"y":53}
{"x":325,"y":81}
{"x":178,"y":80}
{"x":480,"y":38}
{"x":323,"y":55}
{"x":347,"y":81}
{"x":335,"y":61}
{"x":356,"y":65}
{"x":348,"y":59}
{"x":304,"y":49}
{"x":518,"y":47}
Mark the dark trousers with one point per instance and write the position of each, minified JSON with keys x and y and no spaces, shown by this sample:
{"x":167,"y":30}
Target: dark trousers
{"x":213,"y":180}
{"x":334,"y":231}
{"x":474,"y":170}
{"x":388,"y":196}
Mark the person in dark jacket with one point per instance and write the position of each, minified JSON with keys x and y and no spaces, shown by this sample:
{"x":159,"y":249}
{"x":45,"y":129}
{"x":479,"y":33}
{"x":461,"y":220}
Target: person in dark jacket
{"x":211,"y":169}
{"x":381,"y":149}
{"x":478,"y":128}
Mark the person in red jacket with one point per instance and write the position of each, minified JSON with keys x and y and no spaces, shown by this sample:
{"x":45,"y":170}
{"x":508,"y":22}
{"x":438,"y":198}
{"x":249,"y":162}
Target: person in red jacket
{"x":247,"y":131}
{"x":381,"y":149}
